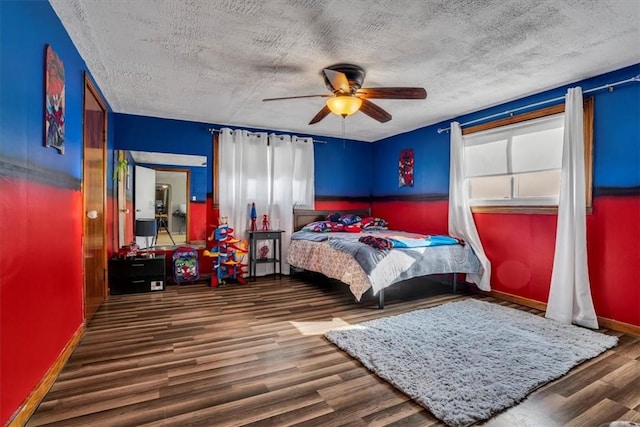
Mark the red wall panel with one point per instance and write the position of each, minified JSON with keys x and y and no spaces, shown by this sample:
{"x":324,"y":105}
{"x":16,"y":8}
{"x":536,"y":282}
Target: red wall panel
{"x":338,"y":205}
{"x":41,"y":288}
{"x":197,"y":221}
{"x":521,"y":249}
{"x":414,"y":216}
{"x":613,"y":239}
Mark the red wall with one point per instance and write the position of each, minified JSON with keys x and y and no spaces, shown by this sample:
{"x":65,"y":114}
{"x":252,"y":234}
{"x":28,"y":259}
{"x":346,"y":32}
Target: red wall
{"x":41,"y":285}
{"x":197,"y":221}
{"x":338,"y":205}
{"x":521,"y":247}
{"x":414,"y":216}
{"x":613,"y":239}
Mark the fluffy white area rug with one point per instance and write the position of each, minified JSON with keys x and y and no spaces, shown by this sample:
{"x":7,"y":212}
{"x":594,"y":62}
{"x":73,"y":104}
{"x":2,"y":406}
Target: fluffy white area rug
{"x":465,"y":361}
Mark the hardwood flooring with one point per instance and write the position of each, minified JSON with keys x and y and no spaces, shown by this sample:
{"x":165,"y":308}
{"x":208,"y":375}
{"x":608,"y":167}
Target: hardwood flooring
{"x":254,"y":355}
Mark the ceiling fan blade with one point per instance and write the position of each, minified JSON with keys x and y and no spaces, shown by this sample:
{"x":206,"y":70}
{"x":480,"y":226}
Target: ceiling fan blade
{"x":321,"y":115}
{"x":375,"y":112}
{"x":393,"y":93}
{"x":338,"y":80}
{"x":296,"y":97}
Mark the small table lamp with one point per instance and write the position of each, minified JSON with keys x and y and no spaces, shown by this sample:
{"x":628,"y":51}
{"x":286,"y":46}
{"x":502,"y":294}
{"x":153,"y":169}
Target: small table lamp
{"x":146,"y":227}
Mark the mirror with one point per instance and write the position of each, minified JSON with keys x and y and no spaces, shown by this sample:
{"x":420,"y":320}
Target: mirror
{"x":173,"y":190}
{"x":162,"y":198}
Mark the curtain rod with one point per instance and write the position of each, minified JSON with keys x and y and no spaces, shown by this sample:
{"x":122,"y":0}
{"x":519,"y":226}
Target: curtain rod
{"x":213,"y":130}
{"x":609,"y":86}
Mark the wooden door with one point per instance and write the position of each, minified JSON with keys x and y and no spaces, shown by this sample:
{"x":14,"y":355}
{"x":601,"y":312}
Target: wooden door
{"x":94,"y":193}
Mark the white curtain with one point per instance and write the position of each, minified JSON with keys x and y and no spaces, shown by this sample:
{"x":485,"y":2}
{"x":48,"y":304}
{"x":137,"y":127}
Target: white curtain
{"x":570,"y":292}
{"x":292,"y":173}
{"x":274,"y":172}
{"x":244,"y":177}
{"x":461,"y":224}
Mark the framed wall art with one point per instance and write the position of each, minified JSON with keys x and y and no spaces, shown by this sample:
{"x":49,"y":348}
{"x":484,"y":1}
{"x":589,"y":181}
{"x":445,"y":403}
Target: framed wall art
{"x":405,"y":168}
{"x":54,"y":101}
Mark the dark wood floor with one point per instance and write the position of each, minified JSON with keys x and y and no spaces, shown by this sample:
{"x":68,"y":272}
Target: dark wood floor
{"x":197,"y":356}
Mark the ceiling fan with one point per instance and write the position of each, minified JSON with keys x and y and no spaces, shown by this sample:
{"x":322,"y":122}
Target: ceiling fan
{"x":348,"y":96}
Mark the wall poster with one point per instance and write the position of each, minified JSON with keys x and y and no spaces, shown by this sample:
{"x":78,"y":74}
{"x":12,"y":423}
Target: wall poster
{"x":405,"y":168}
{"x":54,"y":101}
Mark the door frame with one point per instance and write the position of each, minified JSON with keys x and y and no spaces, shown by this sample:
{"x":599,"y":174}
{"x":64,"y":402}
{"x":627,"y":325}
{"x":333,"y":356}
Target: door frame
{"x":89,"y":86}
{"x":188,"y":196}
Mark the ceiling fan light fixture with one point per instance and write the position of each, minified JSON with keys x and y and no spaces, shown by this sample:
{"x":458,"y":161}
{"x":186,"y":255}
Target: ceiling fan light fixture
{"x":344,"y":105}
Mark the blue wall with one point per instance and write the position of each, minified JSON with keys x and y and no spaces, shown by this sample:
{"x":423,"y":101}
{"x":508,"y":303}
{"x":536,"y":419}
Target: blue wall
{"x":143,"y":133}
{"x":22,"y":93}
{"x":342,"y":167}
{"x":41,"y":205}
{"x":431,"y":163}
{"x":616,"y":140}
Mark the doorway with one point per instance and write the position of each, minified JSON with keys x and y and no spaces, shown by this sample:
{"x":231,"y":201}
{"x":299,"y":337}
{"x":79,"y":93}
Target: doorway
{"x":94,"y":134}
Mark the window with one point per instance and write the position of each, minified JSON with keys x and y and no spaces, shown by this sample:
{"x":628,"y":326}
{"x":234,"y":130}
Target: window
{"x":515,"y":164}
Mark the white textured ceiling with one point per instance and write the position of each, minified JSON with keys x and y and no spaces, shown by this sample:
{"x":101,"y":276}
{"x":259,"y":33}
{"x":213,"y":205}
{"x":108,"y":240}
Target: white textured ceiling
{"x":214,"y":61}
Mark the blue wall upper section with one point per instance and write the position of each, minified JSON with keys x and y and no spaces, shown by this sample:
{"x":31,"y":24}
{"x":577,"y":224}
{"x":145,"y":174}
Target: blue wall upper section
{"x":616,"y":151}
{"x":616,"y":140}
{"x":143,"y":133}
{"x":26,"y":27}
{"x":25,"y":30}
{"x":342,"y":167}
{"x":431,"y":163}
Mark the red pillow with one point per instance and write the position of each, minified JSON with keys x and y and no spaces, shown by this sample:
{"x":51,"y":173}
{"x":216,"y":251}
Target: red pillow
{"x":353,"y":228}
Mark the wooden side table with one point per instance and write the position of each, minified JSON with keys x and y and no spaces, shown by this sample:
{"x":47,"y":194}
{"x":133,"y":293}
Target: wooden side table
{"x":275,"y":258}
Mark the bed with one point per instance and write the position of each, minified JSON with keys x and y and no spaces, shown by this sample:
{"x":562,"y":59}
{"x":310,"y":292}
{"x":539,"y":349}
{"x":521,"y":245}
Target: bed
{"x":363,"y":267}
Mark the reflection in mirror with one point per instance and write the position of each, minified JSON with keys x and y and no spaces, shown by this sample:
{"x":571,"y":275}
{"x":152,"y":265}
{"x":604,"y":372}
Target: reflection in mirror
{"x":171,"y":227}
{"x":177,"y":196}
{"x":162,"y":198}
{"x":167,"y":234}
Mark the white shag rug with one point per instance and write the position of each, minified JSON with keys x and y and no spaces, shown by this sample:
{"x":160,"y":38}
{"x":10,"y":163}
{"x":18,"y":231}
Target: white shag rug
{"x":465,"y":361}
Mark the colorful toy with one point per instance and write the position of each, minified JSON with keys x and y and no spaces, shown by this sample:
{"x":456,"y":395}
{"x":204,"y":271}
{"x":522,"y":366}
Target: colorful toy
{"x":228,"y":253}
{"x":185,"y":265}
{"x":265,"y":223}
{"x":130,"y":251}
{"x":263,"y":252}
{"x":253,"y":215}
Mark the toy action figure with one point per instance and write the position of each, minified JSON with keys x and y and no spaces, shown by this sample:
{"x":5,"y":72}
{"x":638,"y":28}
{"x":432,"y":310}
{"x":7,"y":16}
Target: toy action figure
{"x":265,"y":223}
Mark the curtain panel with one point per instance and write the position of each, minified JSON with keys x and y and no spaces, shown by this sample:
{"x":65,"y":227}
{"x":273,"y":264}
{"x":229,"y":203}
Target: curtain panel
{"x":461,"y":223}
{"x":570,"y":291}
{"x":276,"y":172}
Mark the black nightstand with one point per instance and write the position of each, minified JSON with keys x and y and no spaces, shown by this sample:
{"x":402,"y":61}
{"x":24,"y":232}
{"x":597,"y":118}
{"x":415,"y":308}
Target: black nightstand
{"x":132,"y":275}
{"x":275,"y":258}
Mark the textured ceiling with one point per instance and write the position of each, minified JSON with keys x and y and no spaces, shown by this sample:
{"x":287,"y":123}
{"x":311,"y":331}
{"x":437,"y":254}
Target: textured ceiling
{"x":214,"y":61}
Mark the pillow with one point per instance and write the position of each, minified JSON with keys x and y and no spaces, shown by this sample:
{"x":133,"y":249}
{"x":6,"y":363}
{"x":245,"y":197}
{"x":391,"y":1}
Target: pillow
{"x":353,"y":228}
{"x":374,"y":222}
{"x":333,"y":217}
{"x":350,"y":219}
{"x":323,"y":227}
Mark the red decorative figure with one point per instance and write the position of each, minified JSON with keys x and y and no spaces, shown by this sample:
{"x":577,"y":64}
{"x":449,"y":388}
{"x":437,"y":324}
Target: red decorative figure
{"x":265,"y":223}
